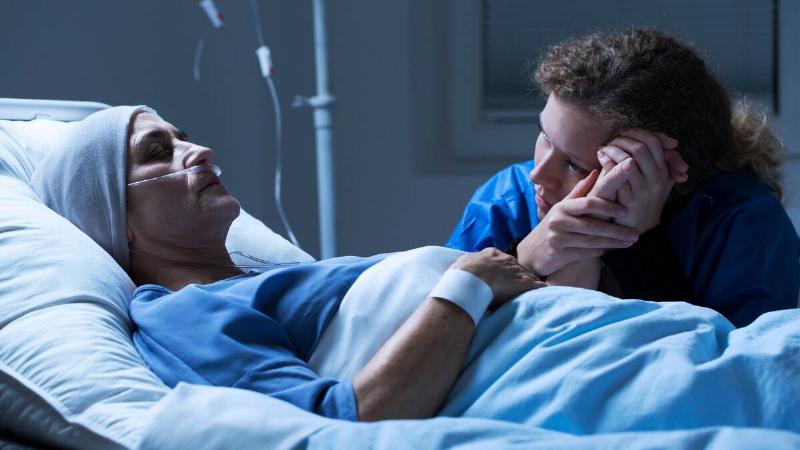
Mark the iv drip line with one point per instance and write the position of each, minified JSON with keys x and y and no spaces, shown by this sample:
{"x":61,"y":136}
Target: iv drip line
{"x":265,"y":64}
{"x":198,"y":55}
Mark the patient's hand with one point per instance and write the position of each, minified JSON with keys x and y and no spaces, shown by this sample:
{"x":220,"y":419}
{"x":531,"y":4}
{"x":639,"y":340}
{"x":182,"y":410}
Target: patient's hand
{"x":505,"y":276}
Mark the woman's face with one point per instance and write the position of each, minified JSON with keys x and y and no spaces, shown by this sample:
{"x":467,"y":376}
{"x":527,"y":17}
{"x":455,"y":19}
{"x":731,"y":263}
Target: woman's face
{"x":175,"y":210}
{"x":566,"y":151}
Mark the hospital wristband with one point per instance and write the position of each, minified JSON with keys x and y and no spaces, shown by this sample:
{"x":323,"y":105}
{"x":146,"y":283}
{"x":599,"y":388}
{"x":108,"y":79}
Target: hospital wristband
{"x":466,"y":290}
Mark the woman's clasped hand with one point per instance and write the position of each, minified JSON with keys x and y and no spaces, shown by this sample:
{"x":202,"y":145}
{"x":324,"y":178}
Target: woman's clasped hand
{"x":657,"y":167}
{"x":610,"y":208}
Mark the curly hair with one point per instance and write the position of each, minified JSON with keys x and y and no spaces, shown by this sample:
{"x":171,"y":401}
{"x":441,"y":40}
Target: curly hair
{"x":647,"y":79}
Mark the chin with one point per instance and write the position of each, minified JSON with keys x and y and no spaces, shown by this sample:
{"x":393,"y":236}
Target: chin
{"x":223,"y":207}
{"x":231,"y":206}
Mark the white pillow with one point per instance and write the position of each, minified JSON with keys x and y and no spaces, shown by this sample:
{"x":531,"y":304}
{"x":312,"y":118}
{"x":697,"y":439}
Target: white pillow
{"x":49,"y":421}
{"x":24,"y":143}
{"x":250,"y":236}
{"x":64,"y":330}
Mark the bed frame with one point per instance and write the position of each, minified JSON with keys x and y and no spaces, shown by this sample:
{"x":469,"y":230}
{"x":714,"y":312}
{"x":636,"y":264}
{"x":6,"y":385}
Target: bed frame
{"x":62,"y":110}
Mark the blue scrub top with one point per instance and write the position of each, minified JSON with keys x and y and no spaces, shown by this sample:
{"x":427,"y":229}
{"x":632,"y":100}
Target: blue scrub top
{"x":254,"y":331}
{"x":736,"y":246}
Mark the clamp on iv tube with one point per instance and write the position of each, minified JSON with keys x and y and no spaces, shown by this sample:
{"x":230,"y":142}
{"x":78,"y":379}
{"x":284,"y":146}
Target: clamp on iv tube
{"x":265,"y":65}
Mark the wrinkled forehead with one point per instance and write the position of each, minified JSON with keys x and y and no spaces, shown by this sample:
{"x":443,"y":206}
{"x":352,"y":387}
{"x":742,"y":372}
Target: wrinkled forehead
{"x":146,"y":123}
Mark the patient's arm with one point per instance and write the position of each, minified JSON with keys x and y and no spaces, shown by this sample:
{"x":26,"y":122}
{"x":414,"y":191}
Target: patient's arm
{"x":410,"y":376}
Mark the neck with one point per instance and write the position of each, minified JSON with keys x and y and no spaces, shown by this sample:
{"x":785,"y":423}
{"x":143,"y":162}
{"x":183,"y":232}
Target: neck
{"x":176,"y":269}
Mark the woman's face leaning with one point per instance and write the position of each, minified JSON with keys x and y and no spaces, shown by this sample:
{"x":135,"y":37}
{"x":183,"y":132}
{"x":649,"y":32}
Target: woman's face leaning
{"x":173,"y":209}
{"x":565,"y":150}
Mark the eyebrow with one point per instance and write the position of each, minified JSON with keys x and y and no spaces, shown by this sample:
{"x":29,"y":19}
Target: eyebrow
{"x":162,"y":134}
{"x":571,"y":158}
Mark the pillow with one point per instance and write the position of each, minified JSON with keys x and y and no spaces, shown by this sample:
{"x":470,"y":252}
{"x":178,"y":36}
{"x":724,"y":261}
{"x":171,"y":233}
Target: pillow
{"x":24,"y":143}
{"x":250,"y":236}
{"x":29,"y":411}
{"x":65,"y":340}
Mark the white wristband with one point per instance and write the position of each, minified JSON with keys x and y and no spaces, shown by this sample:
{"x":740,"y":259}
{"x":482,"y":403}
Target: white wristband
{"x":466,"y":290}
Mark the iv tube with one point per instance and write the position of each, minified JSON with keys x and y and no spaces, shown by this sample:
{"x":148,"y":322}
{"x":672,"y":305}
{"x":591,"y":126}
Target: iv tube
{"x":265,"y":64}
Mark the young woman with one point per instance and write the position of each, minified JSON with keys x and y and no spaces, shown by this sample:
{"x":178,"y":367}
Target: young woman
{"x":720,"y":238}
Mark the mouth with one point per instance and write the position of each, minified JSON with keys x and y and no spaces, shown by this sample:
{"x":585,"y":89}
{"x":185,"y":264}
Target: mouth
{"x":213,"y":180}
{"x":543,"y":204}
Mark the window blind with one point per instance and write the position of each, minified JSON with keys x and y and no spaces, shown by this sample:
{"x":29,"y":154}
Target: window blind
{"x":737,"y":38}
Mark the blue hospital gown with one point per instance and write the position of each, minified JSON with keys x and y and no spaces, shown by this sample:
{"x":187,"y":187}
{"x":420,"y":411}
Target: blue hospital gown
{"x":254,"y":331}
{"x":730,"y":243}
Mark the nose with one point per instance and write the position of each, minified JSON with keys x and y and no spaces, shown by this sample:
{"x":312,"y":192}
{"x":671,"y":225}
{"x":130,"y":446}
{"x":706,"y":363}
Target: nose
{"x":197,"y":155}
{"x":543,"y":174}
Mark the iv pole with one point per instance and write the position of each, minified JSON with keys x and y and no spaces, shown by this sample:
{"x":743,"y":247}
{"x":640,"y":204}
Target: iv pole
{"x":324,"y":137}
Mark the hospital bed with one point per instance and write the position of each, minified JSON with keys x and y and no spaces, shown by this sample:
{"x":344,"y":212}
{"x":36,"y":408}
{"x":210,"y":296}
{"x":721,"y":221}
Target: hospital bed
{"x":562,"y":367}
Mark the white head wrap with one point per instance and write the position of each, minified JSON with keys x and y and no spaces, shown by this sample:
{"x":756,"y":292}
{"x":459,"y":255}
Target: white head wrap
{"x":83,"y":178}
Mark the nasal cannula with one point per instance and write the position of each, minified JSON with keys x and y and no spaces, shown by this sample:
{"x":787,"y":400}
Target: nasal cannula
{"x":194,"y":169}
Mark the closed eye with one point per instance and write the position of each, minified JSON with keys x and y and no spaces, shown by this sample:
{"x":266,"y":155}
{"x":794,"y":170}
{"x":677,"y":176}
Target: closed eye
{"x":158,"y":151}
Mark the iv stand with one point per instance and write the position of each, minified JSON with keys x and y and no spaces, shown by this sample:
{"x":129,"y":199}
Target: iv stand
{"x":324,"y":137}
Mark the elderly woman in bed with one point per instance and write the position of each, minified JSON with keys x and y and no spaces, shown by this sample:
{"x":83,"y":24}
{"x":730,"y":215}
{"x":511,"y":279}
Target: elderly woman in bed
{"x":154,"y":201}
{"x":203,"y":320}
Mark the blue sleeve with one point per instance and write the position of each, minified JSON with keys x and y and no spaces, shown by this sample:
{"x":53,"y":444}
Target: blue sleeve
{"x":758,"y":269}
{"x":500,"y":211}
{"x":194,"y":336}
{"x":742,"y":261}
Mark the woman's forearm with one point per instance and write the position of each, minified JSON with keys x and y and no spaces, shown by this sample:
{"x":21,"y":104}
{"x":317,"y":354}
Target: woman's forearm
{"x":410,"y":376}
{"x":584,"y":273}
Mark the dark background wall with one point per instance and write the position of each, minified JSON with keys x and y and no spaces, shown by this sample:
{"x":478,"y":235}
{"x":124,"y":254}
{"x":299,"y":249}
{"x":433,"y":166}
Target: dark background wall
{"x":390,"y":194}
{"x":397,"y":187}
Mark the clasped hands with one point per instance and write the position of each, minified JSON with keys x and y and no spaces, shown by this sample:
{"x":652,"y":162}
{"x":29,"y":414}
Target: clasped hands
{"x":610,"y":208}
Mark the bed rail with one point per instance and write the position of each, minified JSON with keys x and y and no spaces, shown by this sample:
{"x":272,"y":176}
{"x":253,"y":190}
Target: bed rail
{"x":62,"y":110}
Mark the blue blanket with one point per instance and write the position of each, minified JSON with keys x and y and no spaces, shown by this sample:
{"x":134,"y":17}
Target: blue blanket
{"x":574,"y":369}
{"x":556,"y":367}
{"x":582,"y":362}
{"x":204,"y":417}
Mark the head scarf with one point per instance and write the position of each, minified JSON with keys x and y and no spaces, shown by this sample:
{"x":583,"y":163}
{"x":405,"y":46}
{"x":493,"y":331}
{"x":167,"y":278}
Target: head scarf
{"x":83,"y":178}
